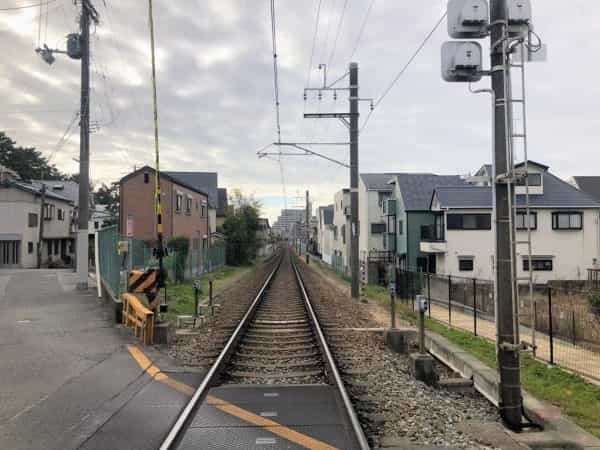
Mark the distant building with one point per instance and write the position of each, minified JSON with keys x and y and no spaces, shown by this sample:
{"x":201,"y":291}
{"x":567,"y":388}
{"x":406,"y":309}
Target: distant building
{"x":325,"y":233}
{"x":185,"y":206}
{"x":264,"y":237}
{"x":340,"y":257}
{"x":21,"y":212}
{"x":285,"y":224}
{"x":7,"y":174}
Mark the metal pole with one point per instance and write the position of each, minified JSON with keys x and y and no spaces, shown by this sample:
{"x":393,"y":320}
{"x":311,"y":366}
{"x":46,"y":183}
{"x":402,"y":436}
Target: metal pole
{"x":508,"y":350}
{"x":84,"y":152}
{"x":449,"y":299}
{"x":307,"y":227}
{"x":354,"y":227}
{"x":429,"y":293}
{"x":550,"y":331}
{"x":41,"y":230}
{"x":474,"y":306}
{"x":422,"y":331}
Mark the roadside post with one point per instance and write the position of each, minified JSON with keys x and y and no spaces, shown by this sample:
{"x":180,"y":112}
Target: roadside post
{"x":196,"y":296}
{"x":422,"y":305}
{"x":210,"y":295}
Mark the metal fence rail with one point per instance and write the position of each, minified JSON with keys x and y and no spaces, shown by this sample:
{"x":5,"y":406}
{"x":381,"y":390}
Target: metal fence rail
{"x":562,"y":321}
{"x":109,"y":260}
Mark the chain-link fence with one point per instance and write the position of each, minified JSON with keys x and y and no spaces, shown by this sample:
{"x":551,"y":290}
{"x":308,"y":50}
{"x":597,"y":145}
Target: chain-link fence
{"x":560,"y":320}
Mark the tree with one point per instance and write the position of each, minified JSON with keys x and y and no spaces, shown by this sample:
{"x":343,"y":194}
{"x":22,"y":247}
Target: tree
{"x":26,"y":161}
{"x":240,"y":229}
{"x":109,"y":196}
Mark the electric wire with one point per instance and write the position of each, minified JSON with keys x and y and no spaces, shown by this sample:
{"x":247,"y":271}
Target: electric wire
{"x":276,"y":89}
{"x":35,"y":5}
{"x":337,"y":33}
{"x":404,"y":68}
{"x":362,"y":30}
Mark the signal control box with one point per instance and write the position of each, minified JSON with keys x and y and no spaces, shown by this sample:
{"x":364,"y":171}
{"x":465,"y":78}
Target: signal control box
{"x":468,"y":18}
{"x":462,"y":61}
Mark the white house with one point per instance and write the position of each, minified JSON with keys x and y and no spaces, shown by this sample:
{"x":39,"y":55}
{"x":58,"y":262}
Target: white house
{"x":564,"y":223}
{"x":325,"y":233}
{"x":341,"y":230}
{"x":21,"y":212}
{"x":373,"y":190}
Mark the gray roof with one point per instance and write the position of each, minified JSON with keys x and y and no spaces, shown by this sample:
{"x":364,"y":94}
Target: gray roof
{"x":66,"y":189}
{"x":377,"y":181}
{"x":201,"y":181}
{"x":327,"y":214}
{"x":417,"y":188}
{"x":222,"y":202}
{"x":36,"y":190}
{"x":589,"y":185}
{"x":557,"y":194}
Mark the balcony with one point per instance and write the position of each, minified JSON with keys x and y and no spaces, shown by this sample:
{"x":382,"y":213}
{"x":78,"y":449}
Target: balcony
{"x":433,"y":240}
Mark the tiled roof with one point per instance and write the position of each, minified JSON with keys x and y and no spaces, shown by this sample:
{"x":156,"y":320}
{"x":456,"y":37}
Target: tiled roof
{"x":36,"y":190}
{"x":589,"y":185}
{"x":557,"y":194}
{"x":377,"y":181}
{"x":417,"y":188}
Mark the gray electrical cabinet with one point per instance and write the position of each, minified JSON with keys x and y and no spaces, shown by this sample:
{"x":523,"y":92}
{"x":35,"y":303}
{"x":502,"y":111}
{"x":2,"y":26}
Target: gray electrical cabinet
{"x":74,"y":46}
{"x":468,"y":18}
{"x":462,"y":61}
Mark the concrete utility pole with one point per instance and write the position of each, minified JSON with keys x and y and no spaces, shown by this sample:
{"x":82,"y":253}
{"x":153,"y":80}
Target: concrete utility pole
{"x":307,"y":227}
{"x":508,"y":345}
{"x":41,"y":229}
{"x":84,"y":151}
{"x":354,"y":225}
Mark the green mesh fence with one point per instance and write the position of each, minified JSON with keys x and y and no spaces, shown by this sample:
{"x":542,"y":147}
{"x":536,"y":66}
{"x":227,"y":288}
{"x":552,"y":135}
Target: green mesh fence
{"x":109,"y":259}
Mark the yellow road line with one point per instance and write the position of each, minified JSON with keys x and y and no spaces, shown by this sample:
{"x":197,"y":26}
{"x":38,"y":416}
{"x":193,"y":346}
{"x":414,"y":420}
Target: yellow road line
{"x":229,"y":408}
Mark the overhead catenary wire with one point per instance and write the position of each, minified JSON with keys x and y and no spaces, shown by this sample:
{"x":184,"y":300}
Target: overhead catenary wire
{"x":362,"y":29}
{"x":337,"y":33}
{"x":276,"y":89}
{"x":34,"y":5}
{"x":404,"y":68}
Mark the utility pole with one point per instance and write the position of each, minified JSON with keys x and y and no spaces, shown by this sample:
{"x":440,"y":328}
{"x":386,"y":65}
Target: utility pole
{"x":41,"y":230}
{"x":354,"y":225}
{"x":84,"y":150}
{"x":307,"y":227}
{"x":507,"y":338}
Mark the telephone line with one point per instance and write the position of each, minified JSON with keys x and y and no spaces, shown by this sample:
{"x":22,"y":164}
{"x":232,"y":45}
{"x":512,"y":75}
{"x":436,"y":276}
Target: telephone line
{"x":35,"y":5}
{"x":406,"y":66}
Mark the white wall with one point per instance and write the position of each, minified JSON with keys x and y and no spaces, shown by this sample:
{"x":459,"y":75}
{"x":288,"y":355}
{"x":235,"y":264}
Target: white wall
{"x":573,"y":250}
{"x":368,"y":212}
{"x":341,"y":201}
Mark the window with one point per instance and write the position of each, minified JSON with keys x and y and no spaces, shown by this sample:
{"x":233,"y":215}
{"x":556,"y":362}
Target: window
{"x":343,"y":231}
{"x":202,"y":211}
{"x":534,"y":179}
{"x":48,"y":212}
{"x":465,"y":263}
{"x":567,"y":221}
{"x":33,"y":220}
{"x":400,"y":227}
{"x":146,"y":178}
{"x":96,"y":225}
{"x":540,"y":264}
{"x":377,"y":228}
{"x":30,"y":247}
{"x":521,"y":221}
{"x":469,"y":221}
{"x":60,"y":213}
{"x":188,"y":204}
{"x":178,"y":202}
{"x":382,"y":197}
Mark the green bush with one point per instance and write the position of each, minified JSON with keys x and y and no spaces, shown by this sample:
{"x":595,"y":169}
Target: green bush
{"x":180,"y":246}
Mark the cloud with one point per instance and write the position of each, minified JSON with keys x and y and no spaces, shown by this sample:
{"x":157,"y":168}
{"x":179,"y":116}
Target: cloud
{"x":216,"y":101}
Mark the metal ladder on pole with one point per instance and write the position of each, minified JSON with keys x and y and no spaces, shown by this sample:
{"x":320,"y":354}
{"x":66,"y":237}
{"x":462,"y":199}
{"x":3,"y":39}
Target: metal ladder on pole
{"x":522,"y":246}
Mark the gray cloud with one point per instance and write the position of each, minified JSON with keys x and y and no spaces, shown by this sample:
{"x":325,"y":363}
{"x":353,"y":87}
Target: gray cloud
{"x":216,"y":91}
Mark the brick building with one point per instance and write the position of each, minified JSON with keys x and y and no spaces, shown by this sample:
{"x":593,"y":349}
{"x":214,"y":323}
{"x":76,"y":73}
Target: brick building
{"x":185,"y":208}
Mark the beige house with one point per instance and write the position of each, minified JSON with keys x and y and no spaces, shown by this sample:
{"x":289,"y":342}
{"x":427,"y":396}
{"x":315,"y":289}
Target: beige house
{"x":21,"y":211}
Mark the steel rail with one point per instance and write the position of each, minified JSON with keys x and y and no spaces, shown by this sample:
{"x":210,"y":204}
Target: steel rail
{"x":175,"y":434}
{"x":359,"y":434}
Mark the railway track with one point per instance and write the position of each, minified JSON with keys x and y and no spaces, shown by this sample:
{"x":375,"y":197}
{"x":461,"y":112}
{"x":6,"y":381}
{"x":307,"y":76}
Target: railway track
{"x":278,"y":342}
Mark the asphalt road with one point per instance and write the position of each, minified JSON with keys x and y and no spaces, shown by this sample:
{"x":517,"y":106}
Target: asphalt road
{"x":65,"y":369}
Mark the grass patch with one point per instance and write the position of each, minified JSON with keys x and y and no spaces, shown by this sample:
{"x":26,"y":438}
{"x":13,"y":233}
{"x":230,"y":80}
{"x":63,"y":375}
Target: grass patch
{"x":576,"y":397}
{"x":181,"y":295}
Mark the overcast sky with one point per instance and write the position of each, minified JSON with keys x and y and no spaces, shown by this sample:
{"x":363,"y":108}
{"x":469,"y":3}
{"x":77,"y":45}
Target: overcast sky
{"x":215,"y":89}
